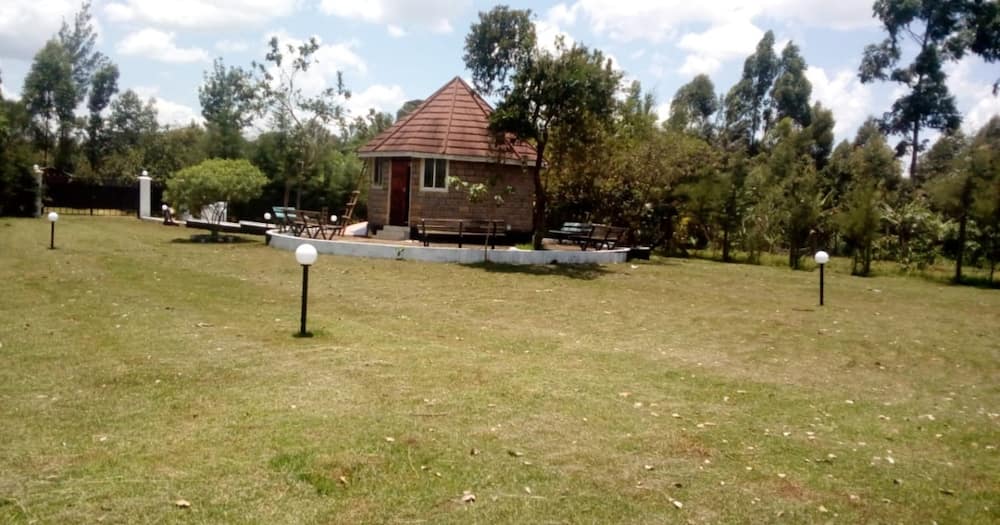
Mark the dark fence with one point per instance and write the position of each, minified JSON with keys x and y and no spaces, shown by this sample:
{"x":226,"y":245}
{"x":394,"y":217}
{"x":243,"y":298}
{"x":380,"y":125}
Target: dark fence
{"x":79,"y":197}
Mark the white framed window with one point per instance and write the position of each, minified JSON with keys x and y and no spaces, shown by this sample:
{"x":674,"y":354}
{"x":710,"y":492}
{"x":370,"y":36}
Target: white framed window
{"x":383,"y":168}
{"x":435,"y":176}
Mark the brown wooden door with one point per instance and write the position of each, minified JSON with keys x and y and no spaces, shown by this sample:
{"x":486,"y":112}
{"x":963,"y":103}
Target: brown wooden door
{"x":399,"y":193}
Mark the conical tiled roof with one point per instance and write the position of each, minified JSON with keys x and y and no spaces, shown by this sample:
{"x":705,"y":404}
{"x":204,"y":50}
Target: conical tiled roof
{"x":452,"y":123}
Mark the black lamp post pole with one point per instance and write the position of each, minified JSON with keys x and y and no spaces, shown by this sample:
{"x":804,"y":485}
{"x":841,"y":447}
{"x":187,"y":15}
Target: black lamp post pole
{"x":821,"y":284}
{"x":305,"y":295}
{"x":52,"y":236}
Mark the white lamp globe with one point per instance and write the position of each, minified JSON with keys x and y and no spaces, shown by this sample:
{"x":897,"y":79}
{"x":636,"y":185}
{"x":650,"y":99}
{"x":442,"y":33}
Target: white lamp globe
{"x":36,"y":168}
{"x":53,"y":216}
{"x":164,"y":207}
{"x":267,"y":216}
{"x":145,"y":173}
{"x":822,"y":257}
{"x":333,"y":218}
{"x":306,"y":254}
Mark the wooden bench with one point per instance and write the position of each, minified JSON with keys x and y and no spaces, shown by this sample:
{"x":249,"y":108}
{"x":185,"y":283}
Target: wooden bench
{"x":314,"y":225}
{"x":462,"y":228}
{"x":601,"y":237}
{"x":570,"y":230}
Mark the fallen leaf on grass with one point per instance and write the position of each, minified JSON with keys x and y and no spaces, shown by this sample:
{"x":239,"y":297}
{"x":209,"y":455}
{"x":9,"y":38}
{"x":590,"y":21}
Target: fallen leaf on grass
{"x":515,"y":453}
{"x":947,"y":492}
{"x":676,"y":503}
{"x":183,"y":504}
{"x":468,"y":497}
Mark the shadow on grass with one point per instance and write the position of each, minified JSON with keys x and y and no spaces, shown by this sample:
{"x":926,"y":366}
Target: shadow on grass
{"x":207,"y":239}
{"x":572,"y":271}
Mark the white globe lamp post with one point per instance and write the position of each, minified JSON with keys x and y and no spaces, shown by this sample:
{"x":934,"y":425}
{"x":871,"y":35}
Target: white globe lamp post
{"x":53,"y":217}
{"x":821,"y":259}
{"x":306,"y":255}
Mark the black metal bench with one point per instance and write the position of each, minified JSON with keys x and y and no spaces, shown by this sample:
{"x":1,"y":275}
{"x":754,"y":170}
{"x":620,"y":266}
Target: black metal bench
{"x":462,"y":228}
{"x":570,"y":230}
{"x":601,"y":237}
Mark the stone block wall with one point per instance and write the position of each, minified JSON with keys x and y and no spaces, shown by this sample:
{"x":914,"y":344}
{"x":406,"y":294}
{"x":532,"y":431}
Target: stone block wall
{"x":454,"y":204}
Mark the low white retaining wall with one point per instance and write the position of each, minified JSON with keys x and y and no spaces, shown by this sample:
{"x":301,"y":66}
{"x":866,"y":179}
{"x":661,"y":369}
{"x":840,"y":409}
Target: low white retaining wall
{"x":287,"y":242}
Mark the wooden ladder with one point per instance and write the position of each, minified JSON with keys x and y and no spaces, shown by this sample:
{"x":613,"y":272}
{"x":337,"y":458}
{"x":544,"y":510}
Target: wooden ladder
{"x":348,"y":217}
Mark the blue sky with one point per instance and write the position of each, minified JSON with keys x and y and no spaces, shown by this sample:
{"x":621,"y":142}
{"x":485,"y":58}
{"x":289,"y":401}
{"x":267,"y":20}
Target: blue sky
{"x":394,"y":50}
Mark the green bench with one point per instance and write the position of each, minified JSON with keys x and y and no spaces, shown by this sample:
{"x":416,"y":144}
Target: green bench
{"x":283,"y":216}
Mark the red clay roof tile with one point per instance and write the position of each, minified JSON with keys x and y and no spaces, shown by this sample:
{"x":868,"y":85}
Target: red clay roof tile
{"x":454,"y":121}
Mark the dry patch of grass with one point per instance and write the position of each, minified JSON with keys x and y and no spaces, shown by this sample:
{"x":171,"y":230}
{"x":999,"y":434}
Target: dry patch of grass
{"x":136,"y":371}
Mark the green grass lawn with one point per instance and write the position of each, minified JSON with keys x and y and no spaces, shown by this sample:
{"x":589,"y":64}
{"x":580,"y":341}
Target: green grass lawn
{"x":138,"y":369}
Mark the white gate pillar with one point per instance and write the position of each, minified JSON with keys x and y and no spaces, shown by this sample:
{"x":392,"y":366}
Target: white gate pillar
{"x":145,"y":195}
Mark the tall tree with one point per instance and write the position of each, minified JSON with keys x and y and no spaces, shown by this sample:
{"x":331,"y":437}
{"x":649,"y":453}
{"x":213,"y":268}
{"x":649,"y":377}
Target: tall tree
{"x":227,"y":103}
{"x":300,"y":116}
{"x":568,"y":89}
{"x":984,"y":164}
{"x":940,"y":158}
{"x":80,"y":41}
{"x":693,"y":106}
{"x":748,"y":108}
{"x":952,"y":192}
{"x":104,"y":85}
{"x":792,"y":89}
{"x":941,"y":30}
{"x":50,"y":95}
{"x":875,"y":172}
{"x":820,"y":130}
{"x":408,"y":108}
{"x":497,"y":47}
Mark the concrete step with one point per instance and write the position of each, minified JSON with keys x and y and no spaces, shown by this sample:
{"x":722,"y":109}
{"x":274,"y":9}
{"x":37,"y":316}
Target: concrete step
{"x":393,"y":233}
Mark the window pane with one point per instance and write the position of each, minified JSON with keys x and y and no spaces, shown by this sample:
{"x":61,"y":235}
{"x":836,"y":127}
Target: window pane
{"x":441,"y":171}
{"x":428,"y":173}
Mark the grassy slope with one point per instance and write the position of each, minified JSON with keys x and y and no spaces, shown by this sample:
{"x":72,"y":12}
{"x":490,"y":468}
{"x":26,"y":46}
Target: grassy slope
{"x":137,"y":369}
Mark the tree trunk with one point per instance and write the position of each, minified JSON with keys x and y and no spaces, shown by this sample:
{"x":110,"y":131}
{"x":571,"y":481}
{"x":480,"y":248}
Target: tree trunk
{"x":868,"y":259}
{"x":914,"y":146}
{"x":538,"y":217}
{"x":961,"y":246}
{"x":725,"y":242}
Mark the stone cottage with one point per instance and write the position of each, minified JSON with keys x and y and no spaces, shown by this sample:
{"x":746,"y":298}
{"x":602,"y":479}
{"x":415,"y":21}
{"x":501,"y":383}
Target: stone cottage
{"x":446,"y":136}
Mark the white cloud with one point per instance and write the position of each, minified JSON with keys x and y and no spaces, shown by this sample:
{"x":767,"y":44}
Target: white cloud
{"x":850,"y":100}
{"x":842,"y":15}
{"x":974,"y":98}
{"x":395,"y":31}
{"x":547,"y":33}
{"x":662,"y":111}
{"x":169,"y":113}
{"x":378,"y":97}
{"x":562,"y":15}
{"x":199,"y":14}
{"x":159,"y":45}
{"x":232,"y":46}
{"x":658,"y":20}
{"x":433,"y":15}
{"x":709,"y":49}
{"x":25,"y":25}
